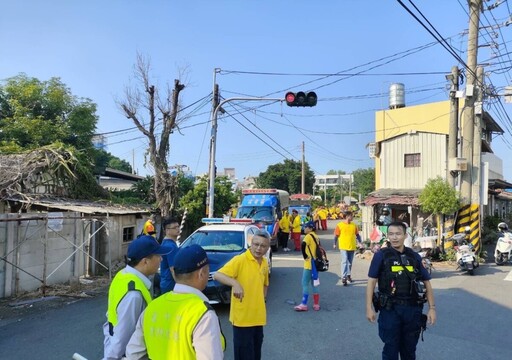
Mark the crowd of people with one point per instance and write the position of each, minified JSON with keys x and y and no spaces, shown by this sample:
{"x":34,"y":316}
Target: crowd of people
{"x":181,"y":324}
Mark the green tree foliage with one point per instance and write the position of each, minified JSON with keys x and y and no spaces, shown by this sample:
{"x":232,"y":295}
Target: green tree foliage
{"x":438,"y":197}
{"x":104,"y":159}
{"x":195,"y":200}
{"x":36,"y":113}
{"x":364,"y":181}
{"x":287,"y":176}
{"x":119,"y":164}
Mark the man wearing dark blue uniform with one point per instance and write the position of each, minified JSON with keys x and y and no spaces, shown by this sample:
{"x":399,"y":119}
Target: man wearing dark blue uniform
{"x":400,"y":274}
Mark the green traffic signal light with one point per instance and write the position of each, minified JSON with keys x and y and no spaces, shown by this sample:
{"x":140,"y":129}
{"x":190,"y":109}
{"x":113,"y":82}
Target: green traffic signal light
{"x":301,"y":99}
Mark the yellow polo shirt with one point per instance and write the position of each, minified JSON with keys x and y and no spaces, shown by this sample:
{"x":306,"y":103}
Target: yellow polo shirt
{"x":310,"y":249}
{"x":296,"y":224}
{"x":253,"y":277}
{"x":284,"y":224}
{"x":346,"y":233}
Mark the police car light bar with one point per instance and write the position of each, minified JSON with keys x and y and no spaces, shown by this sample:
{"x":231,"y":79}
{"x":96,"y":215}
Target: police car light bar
{"x":241,"y":221}
{"x":212,"y":220}
{"x":226,"y":220}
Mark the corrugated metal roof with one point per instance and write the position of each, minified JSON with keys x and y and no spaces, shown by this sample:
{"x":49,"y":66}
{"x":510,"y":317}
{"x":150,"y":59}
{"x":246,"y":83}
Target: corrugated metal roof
{"x":393,"y":197}
{"x":86,"y":207}
{"x":392,"y":200}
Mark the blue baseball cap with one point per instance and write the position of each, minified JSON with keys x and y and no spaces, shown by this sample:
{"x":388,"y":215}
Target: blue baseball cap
{"x":145,"y":246}
{"x":189,"y":259}
{"x":310,"y":224}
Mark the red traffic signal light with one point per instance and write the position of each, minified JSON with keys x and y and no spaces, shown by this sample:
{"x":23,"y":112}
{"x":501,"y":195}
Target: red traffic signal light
{"x":301,"y":99}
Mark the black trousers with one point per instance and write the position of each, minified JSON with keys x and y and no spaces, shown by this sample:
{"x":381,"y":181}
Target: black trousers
{"x":282,"y":238}
{"x":247,"y":342}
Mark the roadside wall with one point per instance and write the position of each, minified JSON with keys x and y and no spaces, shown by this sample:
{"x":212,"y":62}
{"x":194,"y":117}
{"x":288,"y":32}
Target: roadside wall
{"x":38,"y":249}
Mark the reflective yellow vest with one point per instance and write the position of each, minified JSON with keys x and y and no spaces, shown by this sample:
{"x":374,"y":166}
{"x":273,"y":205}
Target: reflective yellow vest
{"x":122,"y":283}
{"x":169,"y":322}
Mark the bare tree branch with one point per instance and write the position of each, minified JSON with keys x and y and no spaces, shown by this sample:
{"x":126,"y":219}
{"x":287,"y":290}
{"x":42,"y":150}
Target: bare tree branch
{"x":156,"y":108}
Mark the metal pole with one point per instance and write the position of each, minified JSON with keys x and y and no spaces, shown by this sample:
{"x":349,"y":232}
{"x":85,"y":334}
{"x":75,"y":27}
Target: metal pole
{"x":477,"y":139}
{"x":211,"y":187}
{"x":469,"y":106}
{"x":215,"y":103}
{"x":303,"y":178}
{"x":454,"y":122}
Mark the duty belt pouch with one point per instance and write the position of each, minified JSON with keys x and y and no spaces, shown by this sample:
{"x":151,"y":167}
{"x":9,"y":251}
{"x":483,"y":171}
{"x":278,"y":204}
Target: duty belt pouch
{"x":423,"y":324}
{"x":376,"y":302}
{"x":385,"y":302}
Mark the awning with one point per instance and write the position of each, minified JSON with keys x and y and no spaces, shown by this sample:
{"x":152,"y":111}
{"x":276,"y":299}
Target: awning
{"x":391,"y":200}
{"x":393,"y":197}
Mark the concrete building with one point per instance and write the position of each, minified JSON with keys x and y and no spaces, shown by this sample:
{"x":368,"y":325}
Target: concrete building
{"x":411,"y":147}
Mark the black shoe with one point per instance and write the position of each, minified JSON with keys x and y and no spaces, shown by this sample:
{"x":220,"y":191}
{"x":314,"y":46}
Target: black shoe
{"x":349,"y":279}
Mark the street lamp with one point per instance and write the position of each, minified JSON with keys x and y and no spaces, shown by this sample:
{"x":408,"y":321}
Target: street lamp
{"x":213,"y":141}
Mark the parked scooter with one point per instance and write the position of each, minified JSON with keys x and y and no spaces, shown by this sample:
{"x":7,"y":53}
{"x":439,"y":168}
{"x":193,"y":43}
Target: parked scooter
{"x":465,"y":256}
{"x":503,"y":251}
{"x":425,"y":247}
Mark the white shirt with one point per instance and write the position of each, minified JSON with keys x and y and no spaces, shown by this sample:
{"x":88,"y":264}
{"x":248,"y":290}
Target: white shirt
{"x":128,"y":311}
{"x":205,"y":338}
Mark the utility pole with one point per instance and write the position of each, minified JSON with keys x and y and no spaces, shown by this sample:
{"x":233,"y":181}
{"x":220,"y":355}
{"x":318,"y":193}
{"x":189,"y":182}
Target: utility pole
{"x":469,"y":109}
{"x":454,"y":122}
{"x":303,"y":180}
{"x":477,"y":139}
{"x":213,"y":141}
{"x":211,"y":186}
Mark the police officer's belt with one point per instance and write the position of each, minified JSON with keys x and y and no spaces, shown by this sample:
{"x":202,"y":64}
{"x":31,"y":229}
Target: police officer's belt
{"x":404,"y":301}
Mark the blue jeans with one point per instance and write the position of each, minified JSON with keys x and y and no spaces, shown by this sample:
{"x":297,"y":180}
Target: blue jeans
{"x":247,"y":342}
{"x":346,"y":262}
{"x":307,"y":279}
{"x":399,"y":329}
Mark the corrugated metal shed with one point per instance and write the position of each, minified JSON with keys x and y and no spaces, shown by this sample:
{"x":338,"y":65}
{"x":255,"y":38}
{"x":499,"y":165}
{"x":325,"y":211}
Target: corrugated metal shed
{"x":86,"y":207}
{"x":432,"y":154}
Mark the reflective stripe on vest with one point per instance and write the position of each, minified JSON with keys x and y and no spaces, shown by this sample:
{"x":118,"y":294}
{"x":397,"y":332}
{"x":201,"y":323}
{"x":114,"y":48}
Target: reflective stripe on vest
{"x":169,"y":322}
{"x":122,"y":283}
{"x":397,"y":268}
{"x":392,"y":275}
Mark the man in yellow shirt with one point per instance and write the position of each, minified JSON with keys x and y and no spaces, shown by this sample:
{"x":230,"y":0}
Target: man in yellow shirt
{"x":247,"y":274}
{"x":284,"y":231}
{"x":149,"y":227}
{"x":309,"y":245}
{"x":322,"y":214}
{"x":296,"y":229}
{"x":345,"y":237}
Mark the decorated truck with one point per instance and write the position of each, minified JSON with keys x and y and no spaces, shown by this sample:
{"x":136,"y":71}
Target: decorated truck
{"x":264,"y":207}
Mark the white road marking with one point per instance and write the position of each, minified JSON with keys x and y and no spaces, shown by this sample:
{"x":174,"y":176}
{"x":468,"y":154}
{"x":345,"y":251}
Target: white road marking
{"x":509,"y":276}
{"x":287,"y":258}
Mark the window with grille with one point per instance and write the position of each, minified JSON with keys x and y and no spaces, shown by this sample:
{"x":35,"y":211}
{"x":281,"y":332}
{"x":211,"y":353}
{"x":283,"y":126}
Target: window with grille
{"x":128,"y":233}
{"x":412,"y":160}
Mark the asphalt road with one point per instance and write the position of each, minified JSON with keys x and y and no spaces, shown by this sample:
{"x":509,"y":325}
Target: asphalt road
{"x":474,"y":318}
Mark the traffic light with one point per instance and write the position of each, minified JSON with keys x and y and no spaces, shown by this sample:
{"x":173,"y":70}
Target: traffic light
{"x":301,"y":98}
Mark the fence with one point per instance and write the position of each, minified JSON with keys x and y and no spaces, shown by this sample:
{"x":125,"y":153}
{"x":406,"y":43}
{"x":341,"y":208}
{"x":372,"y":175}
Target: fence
{"x":42,"y":249}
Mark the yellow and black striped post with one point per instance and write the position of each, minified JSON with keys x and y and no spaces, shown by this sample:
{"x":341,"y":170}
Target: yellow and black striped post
{"x":469,"y":215}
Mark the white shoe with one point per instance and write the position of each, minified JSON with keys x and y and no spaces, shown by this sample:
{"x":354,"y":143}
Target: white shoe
{"x":286,"y":249}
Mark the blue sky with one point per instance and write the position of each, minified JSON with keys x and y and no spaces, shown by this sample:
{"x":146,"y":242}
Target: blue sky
{"x":92,"y":46}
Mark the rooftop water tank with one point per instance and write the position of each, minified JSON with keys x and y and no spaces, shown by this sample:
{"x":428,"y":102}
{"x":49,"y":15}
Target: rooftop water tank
{"x":396,"y":96}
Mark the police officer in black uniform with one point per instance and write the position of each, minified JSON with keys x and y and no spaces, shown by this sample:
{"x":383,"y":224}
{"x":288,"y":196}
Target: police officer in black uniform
{"x":404,"y":286}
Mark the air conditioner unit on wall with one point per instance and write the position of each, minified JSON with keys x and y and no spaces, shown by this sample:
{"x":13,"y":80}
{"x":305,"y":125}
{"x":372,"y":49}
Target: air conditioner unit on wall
{"x":457,"y":164}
